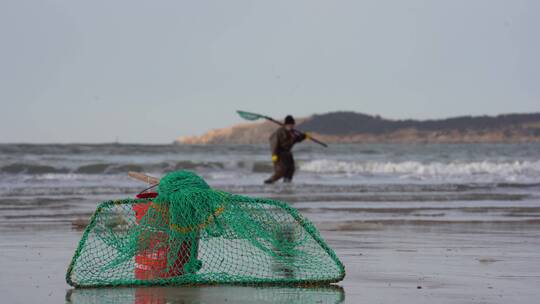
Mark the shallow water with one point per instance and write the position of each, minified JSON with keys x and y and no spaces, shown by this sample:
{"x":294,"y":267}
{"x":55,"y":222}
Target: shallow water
{"x":412,"y":223}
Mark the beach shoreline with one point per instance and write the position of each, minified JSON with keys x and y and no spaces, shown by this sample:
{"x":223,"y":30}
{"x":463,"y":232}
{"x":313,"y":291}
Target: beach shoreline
{"x":445,"y":263}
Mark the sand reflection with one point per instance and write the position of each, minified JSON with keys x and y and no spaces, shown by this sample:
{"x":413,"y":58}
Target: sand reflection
{"x":208,"y":294}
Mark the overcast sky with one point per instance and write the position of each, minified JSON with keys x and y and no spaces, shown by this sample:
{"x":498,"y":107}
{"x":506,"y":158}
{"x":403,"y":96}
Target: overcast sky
{"x":149,"y":71}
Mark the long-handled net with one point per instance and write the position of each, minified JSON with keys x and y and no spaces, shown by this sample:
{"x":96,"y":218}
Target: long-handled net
{"x":192,"y":234}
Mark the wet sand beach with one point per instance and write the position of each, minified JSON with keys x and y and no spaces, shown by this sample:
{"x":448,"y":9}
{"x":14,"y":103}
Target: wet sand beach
{"x":422,"y":263}
{"x":412,"y":261}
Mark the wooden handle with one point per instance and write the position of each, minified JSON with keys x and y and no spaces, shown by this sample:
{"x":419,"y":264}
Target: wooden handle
{"x":143,"y":177}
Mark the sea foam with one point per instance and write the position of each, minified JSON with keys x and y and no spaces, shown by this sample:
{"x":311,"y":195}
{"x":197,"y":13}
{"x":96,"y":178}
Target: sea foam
{"x":509,"y":170}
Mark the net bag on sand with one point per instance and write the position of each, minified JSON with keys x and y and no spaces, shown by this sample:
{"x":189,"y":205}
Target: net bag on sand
{"x":192,"y":234}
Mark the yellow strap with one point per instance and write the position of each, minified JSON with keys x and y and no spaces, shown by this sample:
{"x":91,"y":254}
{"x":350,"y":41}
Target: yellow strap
{"x":187,"y":229}
{"x":200,"y":226}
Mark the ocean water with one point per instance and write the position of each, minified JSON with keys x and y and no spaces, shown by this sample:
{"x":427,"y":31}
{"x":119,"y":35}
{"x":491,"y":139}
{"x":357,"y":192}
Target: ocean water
{"x":56,"y":184}
{"x":412,"y":223}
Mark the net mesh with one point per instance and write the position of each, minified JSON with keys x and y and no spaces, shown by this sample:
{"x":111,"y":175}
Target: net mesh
{"x":248,"y":115}
{"x":192,"y":234}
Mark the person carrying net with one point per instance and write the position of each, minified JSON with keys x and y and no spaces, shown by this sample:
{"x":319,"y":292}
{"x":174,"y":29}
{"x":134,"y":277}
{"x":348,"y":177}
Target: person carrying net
{"x":281,"y":143}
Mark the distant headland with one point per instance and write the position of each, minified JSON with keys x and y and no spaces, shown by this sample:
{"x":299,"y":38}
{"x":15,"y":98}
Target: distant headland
{"x":352,"y":127}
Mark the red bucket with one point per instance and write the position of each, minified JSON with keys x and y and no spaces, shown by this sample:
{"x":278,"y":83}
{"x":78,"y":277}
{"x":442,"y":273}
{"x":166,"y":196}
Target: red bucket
{"x":151,"y":262}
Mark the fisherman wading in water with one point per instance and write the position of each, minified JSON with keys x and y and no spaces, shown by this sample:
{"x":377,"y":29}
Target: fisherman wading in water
{"x":281,"y":142}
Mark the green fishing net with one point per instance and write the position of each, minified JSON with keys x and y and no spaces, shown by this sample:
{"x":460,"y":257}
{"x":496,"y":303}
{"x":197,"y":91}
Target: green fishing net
{"x":193,"y":234}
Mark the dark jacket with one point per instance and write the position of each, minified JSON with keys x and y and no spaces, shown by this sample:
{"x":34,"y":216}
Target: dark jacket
{"x":282,"y":140}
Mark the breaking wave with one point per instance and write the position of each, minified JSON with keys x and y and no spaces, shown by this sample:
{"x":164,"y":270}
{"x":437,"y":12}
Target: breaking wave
{"x":509,"y":170}
{"x":107,"y":168}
